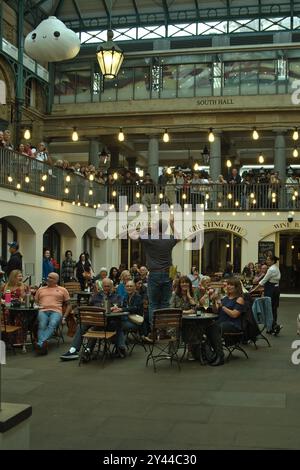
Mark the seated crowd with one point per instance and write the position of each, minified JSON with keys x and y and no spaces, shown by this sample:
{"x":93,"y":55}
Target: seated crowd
{"x":120,"y":289}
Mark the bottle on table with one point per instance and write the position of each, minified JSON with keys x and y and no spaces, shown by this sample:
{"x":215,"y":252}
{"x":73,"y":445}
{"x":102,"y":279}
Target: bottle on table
{"x":27,"y":300}
{"x":7,"y":296}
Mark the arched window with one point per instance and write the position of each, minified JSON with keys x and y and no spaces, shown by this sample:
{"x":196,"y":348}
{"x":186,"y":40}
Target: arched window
{"x":51,"y":241}
{"x":8,"y":234}
{"x":218,"y":248}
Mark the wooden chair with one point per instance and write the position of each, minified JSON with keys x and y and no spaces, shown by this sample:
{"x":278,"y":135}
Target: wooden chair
{"x":216,"y":285}
{"x":166,"y":334}
{"x":58,"y":334}
{"x":8,"y":332}
{"x":94,"y":317}
{"x":233,"y":341}
{"x":72,"y":286}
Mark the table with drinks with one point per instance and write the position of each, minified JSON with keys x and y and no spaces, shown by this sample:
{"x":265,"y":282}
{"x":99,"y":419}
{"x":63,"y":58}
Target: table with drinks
{"x":194,"y":326}
{"x":27,"y":316}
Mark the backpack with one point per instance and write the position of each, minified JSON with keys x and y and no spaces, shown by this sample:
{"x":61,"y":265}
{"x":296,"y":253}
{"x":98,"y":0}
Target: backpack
{"x":249,"y":325}
{"x":203,"y":350}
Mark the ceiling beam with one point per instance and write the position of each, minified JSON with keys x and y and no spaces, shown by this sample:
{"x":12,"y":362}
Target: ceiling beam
{"x":136,"y":11}
{"x":58,"y":8}
{"x":78,"y":13}
{"x":36,"y":5}
{"x":166,"y":10}
{"x":197,"y":10}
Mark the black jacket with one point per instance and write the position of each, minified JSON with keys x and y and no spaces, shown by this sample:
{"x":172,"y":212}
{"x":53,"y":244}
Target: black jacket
{"x":15,"y":262}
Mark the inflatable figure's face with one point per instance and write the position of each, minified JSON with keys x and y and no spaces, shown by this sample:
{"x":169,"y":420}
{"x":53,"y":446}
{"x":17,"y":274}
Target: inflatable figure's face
{"x":52,"y":41}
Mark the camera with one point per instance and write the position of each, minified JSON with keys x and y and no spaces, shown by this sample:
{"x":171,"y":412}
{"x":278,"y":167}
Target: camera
{"x":290,"y":218}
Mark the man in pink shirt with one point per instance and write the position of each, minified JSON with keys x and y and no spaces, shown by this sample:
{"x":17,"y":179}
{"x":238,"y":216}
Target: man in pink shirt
{"x":51,"y":299}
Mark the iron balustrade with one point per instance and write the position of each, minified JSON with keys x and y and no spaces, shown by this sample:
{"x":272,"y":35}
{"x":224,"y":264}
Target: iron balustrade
{"x":210,"y":197}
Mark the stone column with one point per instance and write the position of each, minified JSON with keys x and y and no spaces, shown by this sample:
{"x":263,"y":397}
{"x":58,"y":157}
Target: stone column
{"x":94,"y":152}
{"x":215,"y":157}
{"x":131,"y":161}
{"x":114,"y":160}
{"x":280,"y":155}
{"x":153,"y":157}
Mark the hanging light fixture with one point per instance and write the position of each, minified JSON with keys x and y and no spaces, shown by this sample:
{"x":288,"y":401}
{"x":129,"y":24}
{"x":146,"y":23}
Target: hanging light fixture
{"x":261,"y":158}
{"x":295,"y":134}
{"x":196,"y":167}
{"x":228,"y":164}
{"x":68,"y":179}
{"x":109,"y":55}
{"x":255,"y":134}
{"x":121,"y":136}
{"x":211,"y":137}
{"x":166,"y":137}
{"x":75,"y":135}
{"x":205,"y":155}
{"x":104,"y":157}
{"x":27,"y":179}
{"x":295,"y":152}
{"x":27,"y":133}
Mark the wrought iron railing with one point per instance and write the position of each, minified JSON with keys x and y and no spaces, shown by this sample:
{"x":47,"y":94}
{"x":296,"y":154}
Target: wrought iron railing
{"x":21,"y":173}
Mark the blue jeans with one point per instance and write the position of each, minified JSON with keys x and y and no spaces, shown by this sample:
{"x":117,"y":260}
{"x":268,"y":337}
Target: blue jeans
{"x":159,"y":291}
{"x":48,"y":322}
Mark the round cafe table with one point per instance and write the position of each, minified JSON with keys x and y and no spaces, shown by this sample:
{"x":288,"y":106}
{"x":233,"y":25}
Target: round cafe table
{"x":193,"y":329}
{"x":27,"y":317}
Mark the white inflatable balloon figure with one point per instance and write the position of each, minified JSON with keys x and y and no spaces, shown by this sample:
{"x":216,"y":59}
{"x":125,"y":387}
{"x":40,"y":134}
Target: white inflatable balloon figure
{"x":52,"y":41}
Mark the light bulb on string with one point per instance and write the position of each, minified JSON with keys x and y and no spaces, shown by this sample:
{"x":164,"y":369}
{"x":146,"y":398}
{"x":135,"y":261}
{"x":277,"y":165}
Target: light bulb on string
{"x":68,"y":179}
{"x":44,"y":177}
{"x":261,"y":158}
{"x":90,"y":192}
{"x":255,"y":134}
{"x":228,"y":164}
{"x":295,"y":152}
{"x":169,"y":171}
{"x":91,"y":177}
{"x":115,"y":176}
{"x":42,"y":188}
{"x":295,"y":134}
{"x":27,"y":179}
{"x":211,"y":137}
{"x":27,"y":134}
{"x":166,"y":137}
{"x":67,"y":190}
{"x":121,"y":136}
{"x":196,"y":167}
{"x":18,"y":186}
{"x":9,"y":178}
{"x":75,"y":135}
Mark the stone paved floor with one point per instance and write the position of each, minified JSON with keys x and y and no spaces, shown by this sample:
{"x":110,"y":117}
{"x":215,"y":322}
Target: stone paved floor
{"x":246,"y":404}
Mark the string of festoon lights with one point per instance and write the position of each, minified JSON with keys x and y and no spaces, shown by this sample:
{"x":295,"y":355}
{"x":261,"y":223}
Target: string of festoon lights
{"x":210,"y":137}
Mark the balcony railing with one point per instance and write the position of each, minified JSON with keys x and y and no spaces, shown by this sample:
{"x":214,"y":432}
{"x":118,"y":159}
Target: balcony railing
{"x":21,"y":173}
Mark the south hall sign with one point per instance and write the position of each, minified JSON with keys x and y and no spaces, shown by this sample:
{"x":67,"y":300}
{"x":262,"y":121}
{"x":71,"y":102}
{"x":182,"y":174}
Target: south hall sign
{"x":214,"y":101}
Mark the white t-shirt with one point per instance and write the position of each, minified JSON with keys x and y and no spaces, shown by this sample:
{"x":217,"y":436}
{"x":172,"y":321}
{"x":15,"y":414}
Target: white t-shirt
{"x":273,"y":275}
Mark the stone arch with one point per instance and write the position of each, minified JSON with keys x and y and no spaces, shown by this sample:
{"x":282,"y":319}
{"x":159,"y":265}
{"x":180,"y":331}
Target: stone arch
{"x":63,"y":229}
{"x":20,"y":224}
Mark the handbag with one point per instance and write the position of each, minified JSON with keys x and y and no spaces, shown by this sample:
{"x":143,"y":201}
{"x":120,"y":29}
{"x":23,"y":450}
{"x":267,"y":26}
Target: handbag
{"x":172,"y":272}
{"x":136,"y":319}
